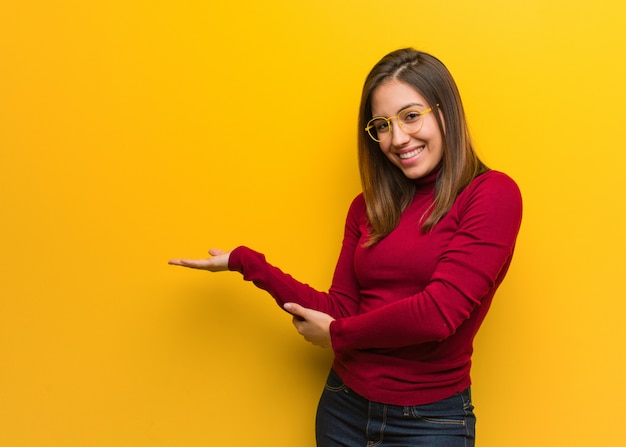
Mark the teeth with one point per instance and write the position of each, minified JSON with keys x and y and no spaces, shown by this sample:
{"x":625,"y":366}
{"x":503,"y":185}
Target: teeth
{"x":411,"y":154}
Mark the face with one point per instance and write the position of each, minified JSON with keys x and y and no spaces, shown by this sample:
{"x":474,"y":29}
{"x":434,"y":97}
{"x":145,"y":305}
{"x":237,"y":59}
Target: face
{"x":415,"y":154}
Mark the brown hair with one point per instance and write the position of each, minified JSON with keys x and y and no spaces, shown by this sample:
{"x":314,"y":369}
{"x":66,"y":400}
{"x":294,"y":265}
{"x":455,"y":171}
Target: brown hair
{"x":387,"y":191}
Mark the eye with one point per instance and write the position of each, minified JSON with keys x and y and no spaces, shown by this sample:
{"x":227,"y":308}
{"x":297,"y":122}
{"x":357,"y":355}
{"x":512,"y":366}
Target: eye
{"x":381,"y":126}
{"x":411,"y":116}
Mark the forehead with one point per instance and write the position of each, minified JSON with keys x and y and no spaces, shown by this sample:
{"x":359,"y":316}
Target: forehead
{"x":392,"y":96}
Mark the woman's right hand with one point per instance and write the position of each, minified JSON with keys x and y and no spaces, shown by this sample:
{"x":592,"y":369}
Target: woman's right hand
{"x":218,"y":262}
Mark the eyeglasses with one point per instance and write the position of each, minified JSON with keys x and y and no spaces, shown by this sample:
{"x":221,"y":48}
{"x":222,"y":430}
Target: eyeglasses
{"x":410,"y":121}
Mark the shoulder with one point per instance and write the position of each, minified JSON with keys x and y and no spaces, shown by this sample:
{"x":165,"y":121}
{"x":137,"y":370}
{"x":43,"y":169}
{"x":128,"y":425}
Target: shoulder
{"x":494,"y":184}
{"x":358,"y":205}
{"x":494,"y":178}
{"x":357,"y":213}
{"x":493,"y":193}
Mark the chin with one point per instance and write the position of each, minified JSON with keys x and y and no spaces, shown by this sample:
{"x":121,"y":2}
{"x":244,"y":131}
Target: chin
{"x":415,"y":174}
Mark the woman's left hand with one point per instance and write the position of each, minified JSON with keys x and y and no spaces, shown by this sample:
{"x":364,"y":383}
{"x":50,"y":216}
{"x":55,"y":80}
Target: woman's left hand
{"x":313,"y":325}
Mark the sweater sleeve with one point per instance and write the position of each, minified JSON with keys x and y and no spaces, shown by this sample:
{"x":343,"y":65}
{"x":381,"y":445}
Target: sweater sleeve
{"x":342,"y":298}
{"x":470,"y":269}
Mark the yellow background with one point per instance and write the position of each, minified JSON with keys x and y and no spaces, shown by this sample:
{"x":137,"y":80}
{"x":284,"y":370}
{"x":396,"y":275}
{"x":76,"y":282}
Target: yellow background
{"x":132,"y":132}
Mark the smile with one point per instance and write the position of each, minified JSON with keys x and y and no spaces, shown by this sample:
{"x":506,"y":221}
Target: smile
{"x":411,"y":154}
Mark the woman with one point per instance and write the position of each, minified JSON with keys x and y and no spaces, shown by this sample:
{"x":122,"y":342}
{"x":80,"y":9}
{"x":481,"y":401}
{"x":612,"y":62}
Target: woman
{"x":425,"y":247}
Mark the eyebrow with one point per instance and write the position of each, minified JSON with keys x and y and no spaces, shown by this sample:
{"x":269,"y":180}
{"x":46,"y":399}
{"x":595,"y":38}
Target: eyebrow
{"x":407,"y":106}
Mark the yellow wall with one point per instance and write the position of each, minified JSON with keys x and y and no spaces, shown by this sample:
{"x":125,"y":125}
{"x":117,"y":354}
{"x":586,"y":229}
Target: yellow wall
{"x":134,"y":132}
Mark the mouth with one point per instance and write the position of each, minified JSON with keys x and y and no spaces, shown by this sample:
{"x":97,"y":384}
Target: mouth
{"x":411,"y":154}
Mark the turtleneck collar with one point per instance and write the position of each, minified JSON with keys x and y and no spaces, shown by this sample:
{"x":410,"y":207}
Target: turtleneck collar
{"x":427,"y":183}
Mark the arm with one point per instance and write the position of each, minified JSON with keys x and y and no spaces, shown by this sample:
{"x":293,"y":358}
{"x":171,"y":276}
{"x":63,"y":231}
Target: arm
{"x":311,"y":324}
{"x":342,"y":298}
{"x":340,"y":301}
{"x":467,"y":273}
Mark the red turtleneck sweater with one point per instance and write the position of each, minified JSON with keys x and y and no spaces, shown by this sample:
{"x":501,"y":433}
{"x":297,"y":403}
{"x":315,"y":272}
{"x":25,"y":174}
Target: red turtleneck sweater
{"x":407,"y":308}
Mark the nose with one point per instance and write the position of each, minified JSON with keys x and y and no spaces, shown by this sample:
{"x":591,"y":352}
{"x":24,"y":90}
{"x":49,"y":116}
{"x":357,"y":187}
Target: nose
{"x":398,"y":136}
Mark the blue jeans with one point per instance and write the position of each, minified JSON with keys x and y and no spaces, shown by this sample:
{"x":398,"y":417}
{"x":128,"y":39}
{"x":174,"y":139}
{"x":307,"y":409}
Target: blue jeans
{"x":345,"y":419}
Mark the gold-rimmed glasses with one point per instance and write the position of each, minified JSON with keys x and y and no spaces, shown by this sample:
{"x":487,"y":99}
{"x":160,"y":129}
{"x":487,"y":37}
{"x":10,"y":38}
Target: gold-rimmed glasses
{"x":410,"y":121}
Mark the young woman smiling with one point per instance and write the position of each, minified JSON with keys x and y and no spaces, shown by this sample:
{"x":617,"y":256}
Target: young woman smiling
{"x":425,"y":247}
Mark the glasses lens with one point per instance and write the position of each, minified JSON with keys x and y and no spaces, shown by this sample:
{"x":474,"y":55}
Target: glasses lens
{"x":378,"y":129}
{"x":411,"y":120}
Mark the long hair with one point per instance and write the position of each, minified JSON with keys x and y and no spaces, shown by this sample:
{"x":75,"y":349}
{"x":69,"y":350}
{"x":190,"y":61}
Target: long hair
{"x":387,"y":191}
